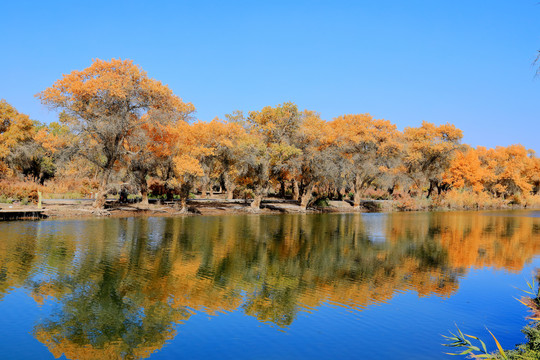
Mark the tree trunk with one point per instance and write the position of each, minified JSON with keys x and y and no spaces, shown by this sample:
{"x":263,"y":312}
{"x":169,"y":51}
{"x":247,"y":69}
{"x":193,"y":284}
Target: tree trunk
{"x":204,"y":189}
{"x":144,"y":201}
{"x":296,"y":190}
{"x":357,"y":199}
{"x":257,"y":200}
{"x":357,"y":191}
{"x":430,"y":190}
{"x":256,"y":203}
{"x":229,"y":185}
{"x":101,"y":198}
{"x":101,"y":195}
{"x":306,"y":197}
{"x":282,"y":189}
{"x":183,"y":205}
{"x":185,"y":189}
{"x":342,"y":193}
{"x":230,"y":193}
{"x":144,"y":192}
{"x":332,"y":193}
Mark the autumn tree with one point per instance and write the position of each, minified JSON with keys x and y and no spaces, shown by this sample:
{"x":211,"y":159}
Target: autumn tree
{"x":15,"y":128}
{"x":107,"y":102}
{"x":367,"y":145}
{"x":152,"y":145}
{"x":466,"y":171}
{"x":218,"y":161}
{"x":428,"y":152}
{"x":187,"y":151}
{"x":319,"y":162}
{"x":254,"y":165}
{"x":534,"y":174}
{"x":49,"y":147}
{"x":267,"y":151}
{"x":507,"y":169}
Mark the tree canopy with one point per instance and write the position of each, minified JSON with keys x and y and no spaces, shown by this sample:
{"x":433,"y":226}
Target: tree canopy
{"x":120,"y":131}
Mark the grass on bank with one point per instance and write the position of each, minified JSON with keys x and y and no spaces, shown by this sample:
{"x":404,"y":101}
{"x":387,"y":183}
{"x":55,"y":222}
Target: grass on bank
{"x":473,"y":347}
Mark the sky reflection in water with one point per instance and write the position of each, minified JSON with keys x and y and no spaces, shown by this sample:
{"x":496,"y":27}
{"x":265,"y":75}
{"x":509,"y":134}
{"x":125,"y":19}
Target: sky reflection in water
{"x":289,"y":286}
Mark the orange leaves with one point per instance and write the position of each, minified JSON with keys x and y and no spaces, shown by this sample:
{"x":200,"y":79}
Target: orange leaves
{"x":115,"y":77}
{"x":509,"y":168}
{"x":107,"y":87}
{"x":193,"y":144}
{"x":434,"y":134}
{"x":428,"y":152}
{"x":211,"y":136}
{"x":14,"y":127}
{"x":187,"y":165}
{"x":54,"y":137}
{"x":5,"y":171}
{"x":501,"y":171}
{"x":162,"y":139}
{"x":275,"y":123}
{"x":115,"y":104}
{"x":314,"y":131}
{"x":466,"y":171}
{"x":368,"y":148}
{"x":430,"y":141}
{"x":125,"y":120}
{"x":357,"y":133}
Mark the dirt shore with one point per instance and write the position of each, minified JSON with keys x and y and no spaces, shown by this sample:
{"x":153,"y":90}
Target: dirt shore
{"x":83,"y":208}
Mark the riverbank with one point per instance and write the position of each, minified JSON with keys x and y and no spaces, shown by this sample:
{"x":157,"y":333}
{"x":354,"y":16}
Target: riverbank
{"x":69,"y":208}
{"x":76,"y":208}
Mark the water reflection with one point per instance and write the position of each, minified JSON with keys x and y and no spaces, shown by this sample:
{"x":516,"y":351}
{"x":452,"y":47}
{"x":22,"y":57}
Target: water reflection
{"x":119,"y":288}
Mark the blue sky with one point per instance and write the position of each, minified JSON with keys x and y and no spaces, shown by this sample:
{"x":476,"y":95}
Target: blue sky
{"x":464,"y":62}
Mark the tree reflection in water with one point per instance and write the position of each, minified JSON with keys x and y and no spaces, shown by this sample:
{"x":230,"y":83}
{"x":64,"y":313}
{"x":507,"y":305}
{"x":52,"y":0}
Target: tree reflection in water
{"x":120,"y":287}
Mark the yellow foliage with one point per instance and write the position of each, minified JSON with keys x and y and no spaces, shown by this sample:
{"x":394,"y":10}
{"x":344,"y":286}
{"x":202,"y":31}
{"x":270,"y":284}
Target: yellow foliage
{"x":14,"y":128}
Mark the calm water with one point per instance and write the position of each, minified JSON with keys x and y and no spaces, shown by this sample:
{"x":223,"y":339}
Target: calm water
{"x":371,"y":286}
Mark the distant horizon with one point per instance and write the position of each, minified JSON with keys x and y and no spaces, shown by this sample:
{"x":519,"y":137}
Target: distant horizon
{"x":465,"y":64}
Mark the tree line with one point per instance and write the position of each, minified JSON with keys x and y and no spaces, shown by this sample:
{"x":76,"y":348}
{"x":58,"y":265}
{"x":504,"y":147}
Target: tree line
{"x":118,"y":126}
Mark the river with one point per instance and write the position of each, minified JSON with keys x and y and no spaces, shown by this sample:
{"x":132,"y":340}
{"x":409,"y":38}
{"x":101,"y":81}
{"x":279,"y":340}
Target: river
{"x":315,"y":286}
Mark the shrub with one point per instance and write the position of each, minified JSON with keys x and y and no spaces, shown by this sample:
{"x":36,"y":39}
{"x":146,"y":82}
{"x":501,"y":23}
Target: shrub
{"x":5,"y":200}
{"x":19,"y":190}
{"x":531,"y":201}
{"x":378,"y":194}
{"x":455,"y":199}
{"x":405,"y":202}
{"x":321,"y":202}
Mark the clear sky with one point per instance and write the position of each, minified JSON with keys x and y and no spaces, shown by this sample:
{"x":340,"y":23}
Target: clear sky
{"x":464,"y":62}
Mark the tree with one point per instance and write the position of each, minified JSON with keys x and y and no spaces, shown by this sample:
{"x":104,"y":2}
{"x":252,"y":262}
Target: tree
{"x":267,"y":152}
{"x":508,"y":169}
{"x":428,"y":152}
{"x":319,"y":162}
{"x":152,"y":145}
{"x":48,"y":148}
{"x":367,"y":145}
{"x":254,"y":165}
{"x":186,"y":165}
{"x":534,"y":174}
{"x":107,"y":102}
{"x":218,"y":161}
{"x":466,"y":171}
{"x":15,"y":128}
